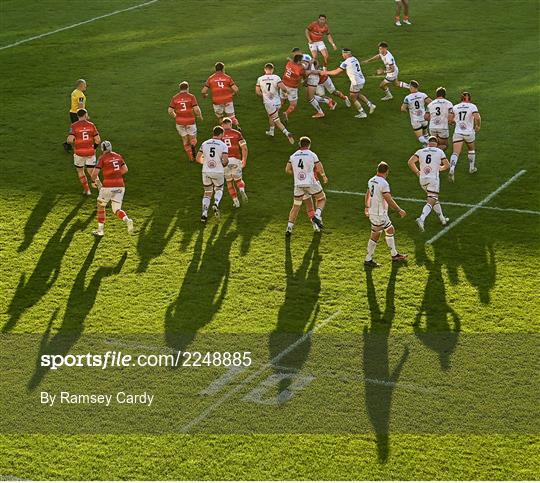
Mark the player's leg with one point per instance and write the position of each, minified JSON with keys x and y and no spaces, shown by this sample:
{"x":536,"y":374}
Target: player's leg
{"x":471,"y":154}
{"x":353,"y":94}
{"x":312,"y":99}
{"x":365,"y":100}
{"x":419,"y":133}
{"x":116,"y":205}
{"x":457,"y":144}
{"x":231,"y":188}
{"x":240,"y":183}
{"x":324,"y":53}
{"x":229,"y":111}
{"x":101,"y":205}
{"x":320,"y":202}
{"x":403,"y":85}
{"x":397,"y":17}
{"x":192,"y":139}
{"x":372,"y":246}
{"x":389,"y":232}
{"x":406,"y":20}
{"x":207,"y":197}
{"x":442,"y":141}
{"x":219,"y":111}
{"x":313,"y":50}
{"x":271,"y":127}
{"x":81,"y":174}
{"x":384,"y":86}
{"x":293,"y":214}
{"x":218,"y":181}
{"x":274,"y":118}
{"x":292,"y":96}
{"x":89,"y":165}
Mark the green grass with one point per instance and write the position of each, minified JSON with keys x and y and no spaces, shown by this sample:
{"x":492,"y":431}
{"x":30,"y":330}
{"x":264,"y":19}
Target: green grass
{"x":239,"y":277}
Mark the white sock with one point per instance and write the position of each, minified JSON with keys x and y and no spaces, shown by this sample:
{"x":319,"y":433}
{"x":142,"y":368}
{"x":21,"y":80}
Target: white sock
{"x":290,"y":225}
{"x":285,"y":131}
{"x":472,"y":158}
{"x":318,"y":212}
{"x":101,"y":226}
{"x":387,"y":91}
{"x":425,"y":212}
{"x":315,"y":105}
{"x":404,"y":85}
{"x":217,"y":197}
{"x":453,"y":162}
{"x":205,"y":204}
{"x":371,"y":245}
{"x":422,"y":139}
{"x":271,"y":129}
{"x":325,"y":100}
{"x":391,"y":244}
{"x":437,"y":208}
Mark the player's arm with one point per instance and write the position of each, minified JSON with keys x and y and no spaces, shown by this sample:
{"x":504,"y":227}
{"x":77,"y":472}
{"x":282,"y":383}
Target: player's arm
{"x":171,"y":112}
{"x":197,"y":112}
{"x":94,"y":175}
{"x":390,"y":68}
{"x":306,"y":33}
{"x":405,"y":107}
{"x":282,"y":86}
{"x":224,"y":159}
{"x":427,"y":116}
{"x":97,"y":140}
{"x":288,"y":168}
{"x":367,"y":202}
{"x":331,"y":40}
{"x":336,"y":71}
{"x":234,"y":88}
{"x":451,"y":116}
{"x":244,"y":149}
{"x":427,"y":100}
{"x":258,"y":90}
{"x":412,"y":164}
{"x":199,"y":157}
{"x":204,"y":90}
{"x":70,"y":139}
{"x":445,"y":164}
{"x":477,"y":121}
{"x":319,"y":169}
{"x":392,"y":204}
{"x":371,"y":59}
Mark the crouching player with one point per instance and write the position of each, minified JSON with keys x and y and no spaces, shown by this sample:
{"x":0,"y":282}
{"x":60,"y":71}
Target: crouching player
{"x":113,"y":168}
{"x":236,"y":144}
{"x":432,"y":160}
{"x":183,"y":108}
{"x":304,"y":165}
{"x":378,"y":199}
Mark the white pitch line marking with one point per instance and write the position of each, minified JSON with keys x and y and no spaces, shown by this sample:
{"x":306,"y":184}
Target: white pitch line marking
{"x":469,"y":212}
{"x":449,"y":203}
{"x":203,"y":415}
{"x":46,"y":34}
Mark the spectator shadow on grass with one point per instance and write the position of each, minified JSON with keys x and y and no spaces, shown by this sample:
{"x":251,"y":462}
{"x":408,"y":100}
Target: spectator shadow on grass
{"x":380,"y":379}
{"x":203,"y":289}
{"x":296,"y":316}
{"x":79,"y":304}
{"x":32,"y":289}
{"x":43,"y":207}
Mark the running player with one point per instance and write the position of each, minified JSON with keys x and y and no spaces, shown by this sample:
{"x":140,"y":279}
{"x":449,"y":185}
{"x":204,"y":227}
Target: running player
{"x":391,"y":70}
{"x":223,"y":89}
{"x":237,"y":153}
{"x":351,"y":65}
{"x":468,"y":123}
{"x":213,"y":155}
{"x":439,"y":114}
{"x":304,"y":165}
{"x":268,"y":87}
{"x":431,"y":160}
{"x":294,"y":73}
{"x":377,"y":200}
{"x":415,"y":103}
{"x":183,"y":108}
{"x":85,"y":136}
{"x":77,"y":101}
{"x":405,"y":5}
{"x":315,"y":33}
{"x":112,"y":188}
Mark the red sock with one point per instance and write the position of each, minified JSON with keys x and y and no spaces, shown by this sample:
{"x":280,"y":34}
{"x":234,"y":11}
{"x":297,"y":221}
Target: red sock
{"x":341,"y":95}
{"x":241,"y":185}
{"x":188,"y":149}
{"x":290,"y":109}
{"x":405,"y":17}
{"x":84,"y":182}
{"x":311,"y":214}
{"x":101,"y":214}
{"x":232,"y":192}
{"x":121,"y":214}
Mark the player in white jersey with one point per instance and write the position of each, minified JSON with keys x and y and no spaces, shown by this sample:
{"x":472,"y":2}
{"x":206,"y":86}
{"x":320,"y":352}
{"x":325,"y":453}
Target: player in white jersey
{"x":468,"y":122}
{"x":377,"y":200}
{"x":326,"y":85}
{"x":391,"y":70}
{"x":351,"y":66}
{"x":415,"y":104}
{"x":439,"y":114}
{"x":431,"y":161}
{"x":213,"y":155}
{"x":268,"y":87}
{"x":304,"y":165}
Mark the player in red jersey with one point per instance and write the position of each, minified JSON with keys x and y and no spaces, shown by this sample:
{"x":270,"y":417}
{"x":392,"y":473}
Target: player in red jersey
{"x":84,"y":136}
{"x":113,"y":168}
{"x":183,"y":108}
{"x":238,"y":153}
{"x":294,"y":73}
{"x":315,"y":33}
{"x":223,"y":89}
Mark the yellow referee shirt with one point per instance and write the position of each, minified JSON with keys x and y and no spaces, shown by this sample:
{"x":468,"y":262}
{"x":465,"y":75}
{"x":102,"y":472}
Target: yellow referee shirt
{"x":76,"y":97}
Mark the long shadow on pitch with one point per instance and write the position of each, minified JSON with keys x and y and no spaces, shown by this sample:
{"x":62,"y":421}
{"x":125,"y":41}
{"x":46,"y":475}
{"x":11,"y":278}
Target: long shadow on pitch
{"x":36,"y":219}
{"x":30,"y":291}
{"x":296,"y":316}
{"x":79,"y":304}
{"x":380,"y":379}
{"x":203,"y":289}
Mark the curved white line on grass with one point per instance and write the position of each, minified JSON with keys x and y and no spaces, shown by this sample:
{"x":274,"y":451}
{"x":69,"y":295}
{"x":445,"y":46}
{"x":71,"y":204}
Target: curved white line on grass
{"x":46,"y":34}
{"x":469,"y":212}
{"x":203,"y":415}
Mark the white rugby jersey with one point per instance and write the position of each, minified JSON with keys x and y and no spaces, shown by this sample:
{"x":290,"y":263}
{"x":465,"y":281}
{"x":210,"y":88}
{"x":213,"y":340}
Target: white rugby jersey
{"x":430,"y":161}
{"x":463,"y":116}
{"x":303,"y":163}
{"x":377,"y":204}
{"x":353,"y":69}
{"x":213,"y":150}
{"x":416,"y":102}
{"x":269,"y":86}
{"x":389,"y":61}
{"x":439,"y":110}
